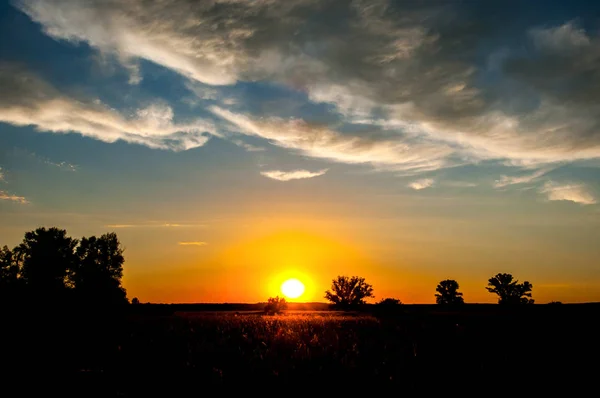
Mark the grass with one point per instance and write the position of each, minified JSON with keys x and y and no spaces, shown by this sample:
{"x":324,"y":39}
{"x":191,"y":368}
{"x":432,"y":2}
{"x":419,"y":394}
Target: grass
{"x":139,"y":355}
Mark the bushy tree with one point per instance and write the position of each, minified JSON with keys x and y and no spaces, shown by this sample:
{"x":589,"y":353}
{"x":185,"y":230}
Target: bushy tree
{"x":49,"y":265}
{"x":447,"y":293}
{"x":389,"y":302}
{"x":99,"y":269}
{"x":135,"y":301}
{"x":509,"y":290}
{"x":275,"y":305}
{"x":48,"y":255}
{"x":349,"y":292}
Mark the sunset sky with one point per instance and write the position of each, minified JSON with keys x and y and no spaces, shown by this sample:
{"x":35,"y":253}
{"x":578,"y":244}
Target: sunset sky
{"x":234,"y":144}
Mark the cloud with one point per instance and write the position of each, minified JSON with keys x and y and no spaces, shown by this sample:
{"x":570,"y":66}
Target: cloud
{"x":411,"y":68}
{"x":153,"y":225}
{"x":506,"y":180}
{"x":248,"y":147}
{"x":421,"y":184}
{"x":13,"y":198}
{"x":459,"y":184}
{"x":577,"y":193}
{"x":292,"y":175}
{"x":27,"y":100}
{"x":2,"y":175}
{"x":321,"y":142}
{"x":192,"y":243}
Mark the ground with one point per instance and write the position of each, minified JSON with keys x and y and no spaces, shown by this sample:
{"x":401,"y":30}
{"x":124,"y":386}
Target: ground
{"x":139,"y":353}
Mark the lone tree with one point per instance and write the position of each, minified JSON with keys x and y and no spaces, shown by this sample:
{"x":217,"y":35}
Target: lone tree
{"x":349,"y":292}
{"x":510,"y":291}
{"x":447,"y":293}
{"x":275,"y":305}
{"x":389,"y":302}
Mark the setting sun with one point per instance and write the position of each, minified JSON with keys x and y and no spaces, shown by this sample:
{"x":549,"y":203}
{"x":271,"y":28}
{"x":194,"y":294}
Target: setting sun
{"x":292,"y":288}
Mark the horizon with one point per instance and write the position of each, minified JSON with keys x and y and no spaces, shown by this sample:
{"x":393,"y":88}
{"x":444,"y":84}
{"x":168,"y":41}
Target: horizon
{"x":234,"y":146}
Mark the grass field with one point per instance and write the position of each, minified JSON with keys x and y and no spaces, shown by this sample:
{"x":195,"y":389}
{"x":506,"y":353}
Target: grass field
{"x":140,"y":354}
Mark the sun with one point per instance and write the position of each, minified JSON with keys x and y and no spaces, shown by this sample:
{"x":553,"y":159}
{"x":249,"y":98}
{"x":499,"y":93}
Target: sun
{"x":292,"y":288}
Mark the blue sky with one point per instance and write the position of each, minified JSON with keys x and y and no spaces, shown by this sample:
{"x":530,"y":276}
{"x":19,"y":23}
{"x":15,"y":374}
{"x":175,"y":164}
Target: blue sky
{"x":440,"y":138}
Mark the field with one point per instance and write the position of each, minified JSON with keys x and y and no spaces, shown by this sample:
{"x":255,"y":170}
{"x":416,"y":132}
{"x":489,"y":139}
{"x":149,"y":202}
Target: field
{"x":140,"y":354}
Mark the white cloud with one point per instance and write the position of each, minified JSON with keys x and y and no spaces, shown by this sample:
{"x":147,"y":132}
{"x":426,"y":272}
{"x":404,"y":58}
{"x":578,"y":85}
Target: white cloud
{"x":154,"y":225}
{"x":459,"y":184}
{"x":506,"y":180}
{"x":2,"y":175}
{"x":13,"y":198}
{"x":26,"y":100}
{"x":577,"y":193}
{"x":421,"y":184}
{"x":321,"y":142}
{"x":192,"y":243}
{"x":292,"y":175}
{"x":248,"y":147}
{"x":415,"y":64}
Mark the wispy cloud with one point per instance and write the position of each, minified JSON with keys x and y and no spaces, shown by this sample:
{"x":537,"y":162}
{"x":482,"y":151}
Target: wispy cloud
{"x":2,"y":175}
{"x":27,"y":100}
{"x":421,"y":184}
{"x":13,"y":198}
{"x":192,"y":243}
{"x":154,"y":225}
{"x":577,"y":193}
{"x":321,"y":142}
{"x":459,"y":184}
{"x":34,"y":156}
{"x":292,"y":175}
{"x":248,"y":147}
{"x":511,"y":180}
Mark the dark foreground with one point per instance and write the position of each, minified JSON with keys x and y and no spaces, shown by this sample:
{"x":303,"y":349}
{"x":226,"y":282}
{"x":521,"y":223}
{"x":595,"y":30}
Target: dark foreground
{"x":146,"y":353}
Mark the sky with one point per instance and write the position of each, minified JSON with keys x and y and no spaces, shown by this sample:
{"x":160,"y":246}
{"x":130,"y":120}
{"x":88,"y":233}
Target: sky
{"x":232,"y":144}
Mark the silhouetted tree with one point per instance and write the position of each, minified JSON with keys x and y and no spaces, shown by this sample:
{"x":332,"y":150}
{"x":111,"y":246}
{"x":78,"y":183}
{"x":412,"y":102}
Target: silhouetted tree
{"x":135,"y":301}
{"x":47,"y":256}
{"x":555,"y":302}
{"x":349,"y":291}
{"x":97,"y":274}
{"x":10,"y":268}
{"x":447,"y":293}
{"x":510,"y":291}
{"x":275,"y":305}
{"x":389,"y":302}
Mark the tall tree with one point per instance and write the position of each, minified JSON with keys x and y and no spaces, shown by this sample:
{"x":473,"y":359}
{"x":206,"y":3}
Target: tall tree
{"x":447,"y":293}
{"x":349,"y":291}
{"x":99,"y":269}
{"x":9,"y":267}
{"x":47,"y":255}
{"x":509,"y":290}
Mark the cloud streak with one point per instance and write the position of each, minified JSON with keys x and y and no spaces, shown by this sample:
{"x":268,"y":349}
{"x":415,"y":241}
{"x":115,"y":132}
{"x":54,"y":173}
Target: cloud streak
{"x":154,"y":225}
{"x":192,"y":243}
{"x":321,"y":142}
{"x":13,"y":198}
{"x":525,"y":179}
{"x":577,"y":193}
{"x":292,"y":175}
{"x":27,"y":100}
{"x":421,"y":184}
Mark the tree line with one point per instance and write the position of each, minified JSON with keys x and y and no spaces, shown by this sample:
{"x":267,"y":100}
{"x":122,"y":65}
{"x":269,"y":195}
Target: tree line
{"x":348,"y":292}
{"x":49,"y":266}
